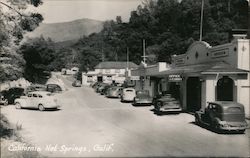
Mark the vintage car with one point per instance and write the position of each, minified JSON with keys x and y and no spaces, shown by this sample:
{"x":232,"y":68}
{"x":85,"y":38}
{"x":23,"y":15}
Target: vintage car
{"x":100,"y":87}
{"x":53,"y":88}
{"x":166,"y":103}
{"x":223,"y":116}
{"x":77,"y":83}
{"x":36,"y":87}
{"x":114,"y":92}
{"x":104,"y":90}
{"x":12,"y":93}
{"x":128,"y":94}
{"x":142,"y":98}
{"x":38,"y":99}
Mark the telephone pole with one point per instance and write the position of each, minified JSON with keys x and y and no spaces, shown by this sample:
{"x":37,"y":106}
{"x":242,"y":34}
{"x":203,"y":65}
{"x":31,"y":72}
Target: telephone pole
{"x":202,"y":6}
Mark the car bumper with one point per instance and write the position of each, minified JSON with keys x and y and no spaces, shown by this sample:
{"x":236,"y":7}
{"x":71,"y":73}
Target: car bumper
{"x":51,"y":106}
{"x":112,"y":96}
{"x":143,"y":102}
{"x":170,"y":109}
{"x":233,"y":127}
{"x":128,"y":99}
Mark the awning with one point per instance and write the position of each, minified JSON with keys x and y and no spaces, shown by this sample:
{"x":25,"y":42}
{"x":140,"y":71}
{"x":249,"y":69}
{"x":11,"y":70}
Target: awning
{"x":223,"y":68}
{"x":204,"y":69}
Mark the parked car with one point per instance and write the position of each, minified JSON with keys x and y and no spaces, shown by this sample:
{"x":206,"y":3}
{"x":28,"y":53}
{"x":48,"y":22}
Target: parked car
{"x":114,"y":92}
{"x":105,"y":89}
{"x":77,"y":83}
{"x":13,"y":93}
{"x":223,"y":116}
{"x":142,"y":97}
{"x":128,"y":94}
{"x":166,"y":103}
{"x":40,"y":100}
{"x":3,"y":100}
{"x":36,"y":87}
{"x":94,"y":85}
{"x":100,"y":87}
{"x":53,"y":88}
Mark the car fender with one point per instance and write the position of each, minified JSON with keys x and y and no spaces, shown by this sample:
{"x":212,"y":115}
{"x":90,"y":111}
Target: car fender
{"x":21,"y":101}
{"x":216,"y":120}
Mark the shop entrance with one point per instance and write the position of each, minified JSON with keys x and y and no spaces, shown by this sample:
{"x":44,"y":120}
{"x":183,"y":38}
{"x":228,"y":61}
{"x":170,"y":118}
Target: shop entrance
{"x":225,"y":89}
{"x":99,"y":79}
{"x":193,"y":94}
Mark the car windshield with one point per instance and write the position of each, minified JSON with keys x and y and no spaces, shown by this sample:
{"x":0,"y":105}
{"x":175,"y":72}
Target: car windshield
{"x":142,"y":93}
{"x":234,"y":110}
{"x":129,"y":90}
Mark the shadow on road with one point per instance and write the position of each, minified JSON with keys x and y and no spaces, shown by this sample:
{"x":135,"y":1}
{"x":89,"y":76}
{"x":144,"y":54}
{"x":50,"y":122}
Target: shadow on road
{"x":46,"y":110}
{"x":140,"y":105}
{"x":162,"y":113}
{"x":209,"y":128}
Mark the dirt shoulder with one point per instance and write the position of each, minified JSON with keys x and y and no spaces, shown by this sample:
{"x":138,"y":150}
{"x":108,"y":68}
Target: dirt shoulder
{"x":12,"y":144}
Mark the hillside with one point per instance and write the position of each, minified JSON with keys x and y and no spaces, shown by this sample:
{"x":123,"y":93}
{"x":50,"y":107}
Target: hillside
{"x":67,"y":31}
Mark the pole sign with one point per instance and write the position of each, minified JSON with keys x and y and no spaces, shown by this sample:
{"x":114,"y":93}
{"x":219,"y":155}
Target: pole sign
{"x":174,"y":78}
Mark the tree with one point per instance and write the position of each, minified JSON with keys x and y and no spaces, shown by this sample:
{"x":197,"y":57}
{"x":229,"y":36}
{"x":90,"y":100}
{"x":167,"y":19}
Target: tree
{"x":39,"y":55}
{"x":14,"y":23}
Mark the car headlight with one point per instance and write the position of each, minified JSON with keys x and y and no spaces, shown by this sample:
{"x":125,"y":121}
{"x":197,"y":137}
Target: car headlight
{"x":136,"y":99}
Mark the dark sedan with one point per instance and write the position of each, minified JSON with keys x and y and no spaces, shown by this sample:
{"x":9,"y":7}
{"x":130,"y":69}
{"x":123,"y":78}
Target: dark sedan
{"x":223,"y":116}
{"x":142,"y":98}
{"x":53,"y":88}
{"x":166,"y":103}
{"x":12,"y":93}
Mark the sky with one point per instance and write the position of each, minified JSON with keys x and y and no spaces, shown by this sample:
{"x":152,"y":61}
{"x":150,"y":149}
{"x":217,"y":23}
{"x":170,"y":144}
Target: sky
{"x":67,"y":10}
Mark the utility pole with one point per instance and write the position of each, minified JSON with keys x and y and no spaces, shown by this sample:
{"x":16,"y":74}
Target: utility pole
{"x":202,"y":6}
{"x":127,"y":58}
{"x":144,"y":51}
{"x":144,"y":62}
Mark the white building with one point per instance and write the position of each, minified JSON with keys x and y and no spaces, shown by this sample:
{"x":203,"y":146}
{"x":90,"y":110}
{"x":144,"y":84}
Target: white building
{"x":108,"y":72}
{"x":205,"y":73}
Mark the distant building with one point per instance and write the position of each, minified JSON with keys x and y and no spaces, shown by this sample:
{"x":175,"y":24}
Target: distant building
{"x":109,"y":72}
{"x":72,"y":71}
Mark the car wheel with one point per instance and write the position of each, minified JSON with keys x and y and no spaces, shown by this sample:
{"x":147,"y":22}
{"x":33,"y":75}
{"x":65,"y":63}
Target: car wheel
{"x":41,"y":107}
{"x":5,"y":103}
{"x":197,"y":119}
{"x":134,"y":103}
{"x":158,"y":106}
{"x":215,"y":126}
{"x":18,"y":105}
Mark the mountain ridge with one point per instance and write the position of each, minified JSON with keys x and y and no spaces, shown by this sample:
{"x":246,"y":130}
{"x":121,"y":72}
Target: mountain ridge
{"x":66,"y":31}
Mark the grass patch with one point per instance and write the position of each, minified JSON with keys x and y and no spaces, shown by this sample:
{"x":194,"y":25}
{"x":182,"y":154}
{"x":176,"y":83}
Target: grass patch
{"x":10,"y":138}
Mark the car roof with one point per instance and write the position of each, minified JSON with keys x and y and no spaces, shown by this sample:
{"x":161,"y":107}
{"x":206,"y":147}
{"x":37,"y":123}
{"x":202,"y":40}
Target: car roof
{"x":143,"y":90}
{"x":40,"y":92}
{"x":128,"y":89}
{"x":227,"y":103}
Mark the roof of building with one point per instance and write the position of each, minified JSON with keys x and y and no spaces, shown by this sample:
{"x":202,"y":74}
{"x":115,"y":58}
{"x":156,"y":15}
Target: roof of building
{"x":205,"y":68}
{"x":115,"y":65}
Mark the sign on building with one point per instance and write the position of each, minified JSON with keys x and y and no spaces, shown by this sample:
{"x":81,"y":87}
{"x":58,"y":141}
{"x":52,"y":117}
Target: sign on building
{"x":174,"y":78}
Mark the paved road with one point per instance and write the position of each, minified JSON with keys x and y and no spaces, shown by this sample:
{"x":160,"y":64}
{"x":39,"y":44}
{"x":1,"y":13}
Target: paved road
{"x":89,"y":124}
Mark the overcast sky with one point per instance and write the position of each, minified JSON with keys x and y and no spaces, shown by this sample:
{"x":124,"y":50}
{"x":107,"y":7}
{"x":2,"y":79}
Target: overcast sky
{"x":68,"y":10}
